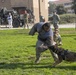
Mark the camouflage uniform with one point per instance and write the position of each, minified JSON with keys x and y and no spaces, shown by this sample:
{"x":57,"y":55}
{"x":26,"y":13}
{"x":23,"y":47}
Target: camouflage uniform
{"x":0,"y":20}
{"x":27,"y":20}
{"x":45,"y":39}
{"x":57,"y":38}
{"x":56,"y":19}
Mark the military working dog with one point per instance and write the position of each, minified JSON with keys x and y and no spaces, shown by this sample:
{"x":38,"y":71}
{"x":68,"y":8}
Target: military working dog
{"x":63,"y":54}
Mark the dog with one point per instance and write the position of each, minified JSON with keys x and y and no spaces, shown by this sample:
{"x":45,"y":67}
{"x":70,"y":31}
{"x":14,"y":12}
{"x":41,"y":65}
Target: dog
{"x":63,"y":55}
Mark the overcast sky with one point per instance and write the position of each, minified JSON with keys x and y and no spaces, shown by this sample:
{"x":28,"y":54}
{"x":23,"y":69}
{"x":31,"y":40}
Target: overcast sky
{"x":52,"y":0}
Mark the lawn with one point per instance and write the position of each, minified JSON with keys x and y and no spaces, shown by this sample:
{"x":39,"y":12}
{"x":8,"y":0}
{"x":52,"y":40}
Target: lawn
{"x":17,"y":54}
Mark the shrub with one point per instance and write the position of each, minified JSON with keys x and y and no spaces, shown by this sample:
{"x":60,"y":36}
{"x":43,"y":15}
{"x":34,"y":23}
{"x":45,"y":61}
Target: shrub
{"x":66,"y":18}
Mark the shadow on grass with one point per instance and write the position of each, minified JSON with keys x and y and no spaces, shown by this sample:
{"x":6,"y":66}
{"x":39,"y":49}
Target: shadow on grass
{"x":23,"y":65}
{"x":31,"y":46}
{"x":33,"y":66}
{"x":74,"y":38}
{"x":67,"y":67}
{"x":72,"y":35}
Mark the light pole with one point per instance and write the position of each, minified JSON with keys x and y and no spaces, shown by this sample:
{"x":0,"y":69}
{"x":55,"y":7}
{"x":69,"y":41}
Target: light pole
{"x":39,"y":10}
{"x":28,"y":4}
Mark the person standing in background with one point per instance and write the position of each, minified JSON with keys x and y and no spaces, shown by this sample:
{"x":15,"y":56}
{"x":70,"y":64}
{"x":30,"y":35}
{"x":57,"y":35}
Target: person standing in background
{"x":42,"y":19}
{"x":55,"y":19}
{"x":57,"y":36}
{"x":26,"y":20}
{"x":9,"y":18}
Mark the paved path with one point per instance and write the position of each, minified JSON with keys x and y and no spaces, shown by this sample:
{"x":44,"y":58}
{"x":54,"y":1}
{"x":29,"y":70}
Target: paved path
{"x":72,"y":25}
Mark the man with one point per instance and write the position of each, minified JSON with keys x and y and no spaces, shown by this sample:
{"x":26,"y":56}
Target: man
{"x":56,"y":19}
{"x":42,"y":19}
{"x":27,"y":20}
{"x":45,"y":39}
{"x":10,"y":19}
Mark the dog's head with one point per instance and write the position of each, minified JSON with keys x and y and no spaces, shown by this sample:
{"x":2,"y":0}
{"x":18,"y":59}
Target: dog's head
{"x":56,"y":49}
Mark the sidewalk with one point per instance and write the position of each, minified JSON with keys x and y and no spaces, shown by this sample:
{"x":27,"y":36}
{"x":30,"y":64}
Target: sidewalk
{"x":5,"y":27}
{"x":70,"y":25}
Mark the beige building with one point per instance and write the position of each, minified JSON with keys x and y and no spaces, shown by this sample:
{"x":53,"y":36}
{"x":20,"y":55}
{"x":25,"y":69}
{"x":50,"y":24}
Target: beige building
{"x":37,"y":6}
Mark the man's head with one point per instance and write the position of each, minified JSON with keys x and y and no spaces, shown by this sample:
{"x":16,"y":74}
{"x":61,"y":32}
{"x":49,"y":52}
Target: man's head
{"x":9,"y":13}
{"x":54,"y":12}
{"x":46,"y":26}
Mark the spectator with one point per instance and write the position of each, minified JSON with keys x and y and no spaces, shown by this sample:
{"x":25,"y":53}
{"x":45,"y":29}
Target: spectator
{"x":0,"y":20}
{"x":9,"y":18}
{"x":42,"y":19}
{"x":26,"y":16}
{"x":56,"y":19}
{"x":27,"y":20}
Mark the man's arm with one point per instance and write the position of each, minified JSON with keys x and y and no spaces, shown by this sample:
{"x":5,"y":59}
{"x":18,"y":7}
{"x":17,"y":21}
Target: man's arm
{"x":58,"y":17}
{"x":33,"y":30}
{"x":49,"y":41}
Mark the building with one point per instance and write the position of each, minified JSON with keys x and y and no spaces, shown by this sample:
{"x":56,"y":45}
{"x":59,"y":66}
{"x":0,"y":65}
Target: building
{"x":37,"y":6}
{"x":66,"y":3}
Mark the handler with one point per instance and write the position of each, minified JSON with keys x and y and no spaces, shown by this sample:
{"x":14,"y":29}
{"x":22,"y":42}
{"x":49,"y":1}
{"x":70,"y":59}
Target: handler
{"x":45,"y":39}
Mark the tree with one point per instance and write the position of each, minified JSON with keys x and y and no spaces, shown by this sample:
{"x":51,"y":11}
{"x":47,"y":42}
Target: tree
{"x":74,"y":6}
{"x":60,"y":9}
{"x":52,"y":7}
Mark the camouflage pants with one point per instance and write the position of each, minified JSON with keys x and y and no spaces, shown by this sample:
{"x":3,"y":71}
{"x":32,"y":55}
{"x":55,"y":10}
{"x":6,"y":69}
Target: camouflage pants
{"x":41,"y":47}
{"x":55,"y":25}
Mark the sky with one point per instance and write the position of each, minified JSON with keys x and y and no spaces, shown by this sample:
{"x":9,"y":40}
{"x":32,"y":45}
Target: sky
{"x":52,"y":0}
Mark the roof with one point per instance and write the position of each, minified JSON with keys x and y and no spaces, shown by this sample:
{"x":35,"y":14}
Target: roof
{"x":62,"y":1}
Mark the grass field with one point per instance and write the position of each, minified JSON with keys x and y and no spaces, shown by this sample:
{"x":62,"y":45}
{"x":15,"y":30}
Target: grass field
{"x":17,"y":54}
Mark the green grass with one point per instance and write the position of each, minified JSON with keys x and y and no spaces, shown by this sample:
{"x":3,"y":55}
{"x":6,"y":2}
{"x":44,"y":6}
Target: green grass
{"x":17,"y":54}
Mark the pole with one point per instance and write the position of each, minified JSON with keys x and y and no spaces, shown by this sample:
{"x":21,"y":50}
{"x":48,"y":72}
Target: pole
{"x":39,"y":10}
